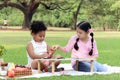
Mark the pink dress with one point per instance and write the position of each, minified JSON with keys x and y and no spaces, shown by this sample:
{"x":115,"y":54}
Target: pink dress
{"x":84,"y":48}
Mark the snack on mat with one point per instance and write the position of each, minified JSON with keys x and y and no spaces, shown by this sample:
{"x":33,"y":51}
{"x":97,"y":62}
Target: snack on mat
{"x":19,"y":70}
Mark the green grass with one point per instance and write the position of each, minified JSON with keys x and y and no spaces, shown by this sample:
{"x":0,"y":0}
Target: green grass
{"x":107,"y":42}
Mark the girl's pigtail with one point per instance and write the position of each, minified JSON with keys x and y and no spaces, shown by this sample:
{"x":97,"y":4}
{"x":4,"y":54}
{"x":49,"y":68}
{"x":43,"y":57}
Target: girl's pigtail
{"x":76,"y":45}
{"x":92,"y":40}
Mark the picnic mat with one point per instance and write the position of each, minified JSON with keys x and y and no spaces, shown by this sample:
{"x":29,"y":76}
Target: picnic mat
{"x":70,"y":71}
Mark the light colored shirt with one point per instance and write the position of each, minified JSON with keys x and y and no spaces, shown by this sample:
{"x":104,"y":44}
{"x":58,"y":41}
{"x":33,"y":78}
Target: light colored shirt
{"x":84,"y":48}
{"x":39,"y":48}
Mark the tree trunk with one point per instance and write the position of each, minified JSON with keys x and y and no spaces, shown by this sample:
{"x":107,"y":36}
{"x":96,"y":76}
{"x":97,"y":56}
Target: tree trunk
{"x":27,"y":20}
{"x":75,"y":15}
{"x":104,"y":27}
{"x":117,"y":20}
{"x":74,"y":21}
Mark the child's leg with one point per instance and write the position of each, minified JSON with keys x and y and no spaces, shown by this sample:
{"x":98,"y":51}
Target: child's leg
{"x":100,"y":67}
{"x":84,"y":66}
{"x":58,"y":61}
{"x":34,"y":65}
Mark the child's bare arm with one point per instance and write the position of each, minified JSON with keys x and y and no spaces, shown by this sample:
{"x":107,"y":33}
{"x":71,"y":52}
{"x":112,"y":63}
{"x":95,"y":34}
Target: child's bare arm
{"x":57,"y":47}
{"x":31,"y":53}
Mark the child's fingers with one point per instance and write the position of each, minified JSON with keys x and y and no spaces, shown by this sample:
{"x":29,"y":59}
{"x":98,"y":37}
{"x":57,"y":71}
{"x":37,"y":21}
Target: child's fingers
{"x":51,"y":51}
{"x":54,"y":47}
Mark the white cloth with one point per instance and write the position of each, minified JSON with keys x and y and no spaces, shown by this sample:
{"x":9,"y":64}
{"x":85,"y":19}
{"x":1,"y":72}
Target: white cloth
{"x":39,"y":49}
{"x":69,"y":71}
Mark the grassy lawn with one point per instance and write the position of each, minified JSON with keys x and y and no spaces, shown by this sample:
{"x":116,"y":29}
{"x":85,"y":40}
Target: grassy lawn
{"x":107,"y":42}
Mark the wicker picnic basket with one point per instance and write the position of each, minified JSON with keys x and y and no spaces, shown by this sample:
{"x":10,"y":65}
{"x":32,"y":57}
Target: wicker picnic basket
{"x":23,"y":73}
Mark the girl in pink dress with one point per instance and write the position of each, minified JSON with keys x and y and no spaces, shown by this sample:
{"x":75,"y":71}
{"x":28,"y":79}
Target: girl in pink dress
{"x":83,"y":46}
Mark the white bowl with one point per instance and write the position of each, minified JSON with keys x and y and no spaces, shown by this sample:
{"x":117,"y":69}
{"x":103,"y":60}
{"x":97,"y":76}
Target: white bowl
{"x":3,"y":72}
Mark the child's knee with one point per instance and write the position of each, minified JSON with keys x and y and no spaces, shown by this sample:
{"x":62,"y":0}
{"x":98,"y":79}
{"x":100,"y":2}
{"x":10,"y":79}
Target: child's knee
{"x":57,"y":62}
{"x":34,"y":64}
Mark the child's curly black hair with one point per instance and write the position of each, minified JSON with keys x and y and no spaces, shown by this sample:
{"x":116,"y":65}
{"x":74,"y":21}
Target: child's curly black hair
{"x":37,"y":26}
{"x":85,"y":26}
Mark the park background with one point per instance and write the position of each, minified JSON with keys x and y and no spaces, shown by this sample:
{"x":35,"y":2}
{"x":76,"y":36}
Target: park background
{"x":60,"y":16}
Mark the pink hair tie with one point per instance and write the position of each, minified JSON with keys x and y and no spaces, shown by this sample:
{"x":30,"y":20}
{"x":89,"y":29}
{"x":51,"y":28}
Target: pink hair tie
{"x":90,"y":30}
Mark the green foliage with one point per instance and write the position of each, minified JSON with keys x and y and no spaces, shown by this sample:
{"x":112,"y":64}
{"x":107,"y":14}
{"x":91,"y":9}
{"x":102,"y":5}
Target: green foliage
{"x":13,"y":16}
{"x":54,"y":18}
{"x":97,"y":12}
{"x":2,"y":50}
{"x":118,"y":26}
{"x":115,"y":6}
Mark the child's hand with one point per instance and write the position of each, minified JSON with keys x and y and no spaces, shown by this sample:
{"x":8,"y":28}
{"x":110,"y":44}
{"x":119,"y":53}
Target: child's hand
{"x":51,"y":52}
{"x":55,"y":47}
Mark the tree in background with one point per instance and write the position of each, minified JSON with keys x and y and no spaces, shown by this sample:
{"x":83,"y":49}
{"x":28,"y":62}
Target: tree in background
{"x":98,"y":13}
{"x":75,"y":14}
{"x":29,"y":7}
{"x":102,"y":14}
{"x":116,"y":8}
